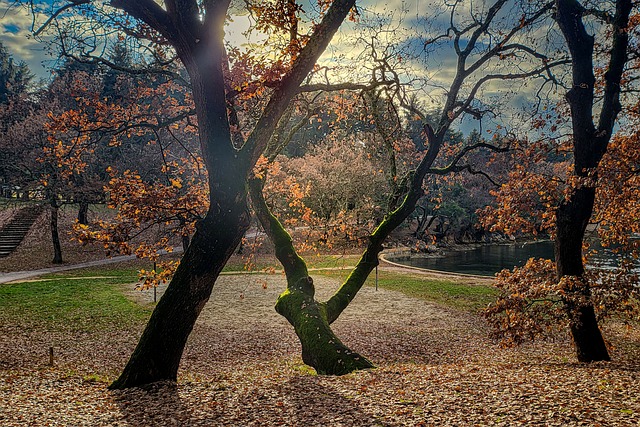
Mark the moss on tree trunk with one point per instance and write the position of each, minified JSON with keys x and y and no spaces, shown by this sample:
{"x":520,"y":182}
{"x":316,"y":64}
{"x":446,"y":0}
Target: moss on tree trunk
{"x":321,"y":348}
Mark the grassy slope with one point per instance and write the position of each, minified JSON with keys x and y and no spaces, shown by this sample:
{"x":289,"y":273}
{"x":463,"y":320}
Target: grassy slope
{"x":85,"y":301}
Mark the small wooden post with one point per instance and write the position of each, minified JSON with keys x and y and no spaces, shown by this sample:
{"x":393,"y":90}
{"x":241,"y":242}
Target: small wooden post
{"x":50,"y":356}
{"x":155,"y":286}
{"x":376,"y":277}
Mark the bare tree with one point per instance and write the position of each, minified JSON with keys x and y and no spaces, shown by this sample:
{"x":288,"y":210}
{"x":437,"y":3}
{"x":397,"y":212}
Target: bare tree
{"x":485,"y":46}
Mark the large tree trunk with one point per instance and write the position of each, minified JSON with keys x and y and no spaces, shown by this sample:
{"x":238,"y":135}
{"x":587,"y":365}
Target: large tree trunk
{"x":198,"y":40}
{"x":571,"y":222}
{"x":590,"y":143}
{"x":157,"y":356}
{"x":55,"y":235}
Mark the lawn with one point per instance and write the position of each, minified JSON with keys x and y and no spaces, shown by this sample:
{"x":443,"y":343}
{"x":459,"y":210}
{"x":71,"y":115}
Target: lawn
{"x":89,"y":300}
{"x":264,"y":262}
{"x":447,"y":293}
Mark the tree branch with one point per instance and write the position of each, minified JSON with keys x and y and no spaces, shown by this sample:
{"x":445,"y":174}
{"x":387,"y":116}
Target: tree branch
{"x":151,"y":13}
{"x":303,"y":64}
{"x":57,"y":13}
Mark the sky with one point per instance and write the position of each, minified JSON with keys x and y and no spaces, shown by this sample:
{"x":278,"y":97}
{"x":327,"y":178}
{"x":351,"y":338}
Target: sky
{"x":401,"y":21}
{"x":15,"y":35}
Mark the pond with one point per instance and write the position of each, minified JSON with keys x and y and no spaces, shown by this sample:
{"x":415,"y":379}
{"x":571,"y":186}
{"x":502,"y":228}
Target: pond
{"x":487,"y":260}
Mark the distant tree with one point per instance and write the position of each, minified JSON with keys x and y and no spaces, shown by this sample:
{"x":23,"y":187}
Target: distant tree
{"x":15,"y":78}
{"x":15,"y":81}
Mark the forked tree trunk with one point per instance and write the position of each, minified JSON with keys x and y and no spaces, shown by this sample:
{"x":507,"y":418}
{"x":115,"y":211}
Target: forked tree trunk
{"x":590,"y":143}
{"x":321,"y":348}
{"x":157,"y":356}
{"x":55,"y":235}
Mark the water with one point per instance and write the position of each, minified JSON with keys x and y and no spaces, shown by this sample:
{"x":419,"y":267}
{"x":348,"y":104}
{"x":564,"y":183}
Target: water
{"x":487,"y":260}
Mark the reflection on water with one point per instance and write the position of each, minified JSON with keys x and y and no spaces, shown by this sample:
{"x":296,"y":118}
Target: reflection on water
{"x":486,"y":260}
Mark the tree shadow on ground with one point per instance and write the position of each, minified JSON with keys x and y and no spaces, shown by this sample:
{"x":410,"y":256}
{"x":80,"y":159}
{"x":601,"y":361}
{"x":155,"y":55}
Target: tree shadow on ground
{"x":311,"y":403}
{"x":298,"y":401}
{"x":156,"y":405}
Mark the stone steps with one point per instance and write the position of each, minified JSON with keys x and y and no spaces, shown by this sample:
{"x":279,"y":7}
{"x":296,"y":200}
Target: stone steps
{"x":12,"y":234}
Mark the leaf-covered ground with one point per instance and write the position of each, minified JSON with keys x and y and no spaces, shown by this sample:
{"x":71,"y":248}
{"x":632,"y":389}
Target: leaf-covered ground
{"x":242,"y":368}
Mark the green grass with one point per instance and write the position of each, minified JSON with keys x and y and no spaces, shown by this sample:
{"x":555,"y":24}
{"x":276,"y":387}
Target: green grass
{"x":459,"y":296}
{"x":76,"y":301}
{"x":93,"y":300}
{"x":332,"y":261}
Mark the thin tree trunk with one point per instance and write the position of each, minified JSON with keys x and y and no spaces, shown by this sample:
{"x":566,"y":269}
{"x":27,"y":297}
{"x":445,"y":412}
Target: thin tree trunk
{"x":157,"y":356}
{"x":83,"y":212}
{"x":55,"y":236}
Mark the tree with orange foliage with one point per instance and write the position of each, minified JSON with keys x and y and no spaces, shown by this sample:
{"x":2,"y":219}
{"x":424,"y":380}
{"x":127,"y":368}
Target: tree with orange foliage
{"x":146,"y":155}
{"x":192,"y":33}
{"x":586,"y":183}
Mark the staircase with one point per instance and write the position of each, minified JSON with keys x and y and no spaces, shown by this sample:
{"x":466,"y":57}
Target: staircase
{"x":11,"y":234}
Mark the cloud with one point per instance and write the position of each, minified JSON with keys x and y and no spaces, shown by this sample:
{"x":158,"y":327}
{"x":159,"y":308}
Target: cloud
{"x":404,"y":25}
{"x":16,"y":36}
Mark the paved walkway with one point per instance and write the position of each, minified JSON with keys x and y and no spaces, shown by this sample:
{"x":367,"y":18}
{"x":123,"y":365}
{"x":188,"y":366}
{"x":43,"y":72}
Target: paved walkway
{"x":15,"y":276}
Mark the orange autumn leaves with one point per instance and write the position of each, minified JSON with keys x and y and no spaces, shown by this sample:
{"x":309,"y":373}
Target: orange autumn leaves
{"x":533,"y":301}
{"x":331,"y":195}
{"x":158,"y":202}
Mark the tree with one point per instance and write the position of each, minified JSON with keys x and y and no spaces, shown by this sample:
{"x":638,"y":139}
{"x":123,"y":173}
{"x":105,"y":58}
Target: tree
{"x":195,"y":33}
{"x":15,"y":78}
{"x":311,"y":319}
{"x":570,"y":197}
{"x":590,"y":143}
{"x":106,"y":149}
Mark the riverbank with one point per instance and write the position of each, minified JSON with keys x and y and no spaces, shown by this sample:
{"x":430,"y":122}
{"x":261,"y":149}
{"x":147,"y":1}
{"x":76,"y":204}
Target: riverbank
{"x":484,"y":260}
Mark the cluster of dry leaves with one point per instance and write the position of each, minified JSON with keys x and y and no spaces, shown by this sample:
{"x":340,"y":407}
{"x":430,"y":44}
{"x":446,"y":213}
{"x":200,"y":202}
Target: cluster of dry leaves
{"x":242,"y":368}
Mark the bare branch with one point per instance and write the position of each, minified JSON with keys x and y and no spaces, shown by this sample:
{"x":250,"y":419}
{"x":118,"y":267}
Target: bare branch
{"x":453,"y":165}
{"x":57,"y":13}
{"x":463,"y":106}
{"x":288,"y":87}
{"x":325,"y":87}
